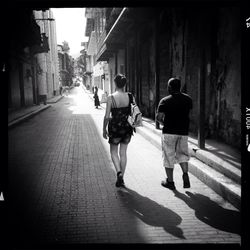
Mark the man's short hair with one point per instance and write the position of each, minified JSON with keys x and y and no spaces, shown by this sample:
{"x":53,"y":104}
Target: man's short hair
{"x":174,"y":84}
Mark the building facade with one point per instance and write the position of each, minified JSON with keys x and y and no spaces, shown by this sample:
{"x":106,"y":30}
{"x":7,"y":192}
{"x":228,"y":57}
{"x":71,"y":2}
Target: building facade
{"x":66,"y":66}
{"x":24,"y":42}
{"x":48,"y":77}
{"x":96,"y":71}
{"x":30,"y":58}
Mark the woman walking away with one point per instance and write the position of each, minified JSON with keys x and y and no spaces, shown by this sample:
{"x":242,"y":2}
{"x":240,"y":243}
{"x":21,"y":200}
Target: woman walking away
{"x":96,"y":98}
{"x":119,"y":130}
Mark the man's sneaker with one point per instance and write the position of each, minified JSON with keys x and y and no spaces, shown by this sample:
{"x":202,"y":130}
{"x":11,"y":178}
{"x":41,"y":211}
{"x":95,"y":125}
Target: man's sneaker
{"x":186,"y":182}
{"x":168,"y":184}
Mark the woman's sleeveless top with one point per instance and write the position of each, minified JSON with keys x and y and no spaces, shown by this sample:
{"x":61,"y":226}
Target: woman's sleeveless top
{"x":118,"y":126}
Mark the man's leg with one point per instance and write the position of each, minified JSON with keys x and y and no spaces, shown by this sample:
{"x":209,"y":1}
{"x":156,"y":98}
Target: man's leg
{"x":169,"y":173}
{"x":185,"y":177}
{"x":184,"y":167}
{"x":168,"y":153}
{"x":182,"y":156}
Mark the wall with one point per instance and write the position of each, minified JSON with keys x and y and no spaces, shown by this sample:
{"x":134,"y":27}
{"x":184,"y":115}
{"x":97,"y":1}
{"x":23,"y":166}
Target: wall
{"x":107,"y":80}
{"x":48,"y":81}
{"x":228,"y":77}
{"x":14,"y":82}
{"x":17,"y":74}
{"x":111,"y":69}
{"x":28,"y":88}
{"x":55,"y":68}
{"x":41,"y":77}
{"x":121,"y":62}
{"x":191,"y":40}
{"x":216,"y":33}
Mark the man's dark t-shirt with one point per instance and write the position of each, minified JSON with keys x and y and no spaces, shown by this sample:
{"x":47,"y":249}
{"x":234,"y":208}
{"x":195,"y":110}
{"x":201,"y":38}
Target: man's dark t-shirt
{"x":176,"y":108}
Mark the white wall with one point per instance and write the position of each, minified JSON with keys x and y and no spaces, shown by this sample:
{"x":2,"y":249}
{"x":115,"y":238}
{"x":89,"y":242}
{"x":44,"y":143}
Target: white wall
{"x":111,"y":70}
{"x":48,"y":80}
{"x":121,"y":62}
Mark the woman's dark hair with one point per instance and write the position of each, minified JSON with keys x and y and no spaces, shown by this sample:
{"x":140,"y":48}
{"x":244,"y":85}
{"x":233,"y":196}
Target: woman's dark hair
{"x":120,"y":80}
{"x":174,"y":84}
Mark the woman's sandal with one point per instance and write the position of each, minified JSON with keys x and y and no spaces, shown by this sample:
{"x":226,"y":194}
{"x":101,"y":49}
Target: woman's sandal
{"x":120,"y":181}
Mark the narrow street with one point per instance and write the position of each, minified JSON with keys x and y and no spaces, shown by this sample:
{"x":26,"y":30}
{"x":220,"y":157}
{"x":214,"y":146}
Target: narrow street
{"x":62,"y":187}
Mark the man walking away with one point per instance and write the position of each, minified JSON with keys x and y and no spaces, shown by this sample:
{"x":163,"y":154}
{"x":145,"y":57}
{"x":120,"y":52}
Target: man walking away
{"x":173,"y":113}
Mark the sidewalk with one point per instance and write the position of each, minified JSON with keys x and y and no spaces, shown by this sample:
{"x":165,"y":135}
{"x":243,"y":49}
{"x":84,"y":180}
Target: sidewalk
{"x":62,"y":181}
{"x":22,"y":114}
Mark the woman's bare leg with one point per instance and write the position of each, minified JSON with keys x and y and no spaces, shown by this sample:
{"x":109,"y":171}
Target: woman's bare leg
{"x":115,"y":157}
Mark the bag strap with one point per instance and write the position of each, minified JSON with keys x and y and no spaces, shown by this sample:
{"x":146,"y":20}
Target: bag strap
{"x":113,"y":101}
{"x":130,"y":98}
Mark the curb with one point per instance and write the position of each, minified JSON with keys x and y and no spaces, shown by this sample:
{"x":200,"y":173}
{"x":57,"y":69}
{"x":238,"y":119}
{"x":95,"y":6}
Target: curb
{"x":222,"y":185}
{"x":55,"y":101}
{"x":218,"y":164}
{"x":25,"y":117}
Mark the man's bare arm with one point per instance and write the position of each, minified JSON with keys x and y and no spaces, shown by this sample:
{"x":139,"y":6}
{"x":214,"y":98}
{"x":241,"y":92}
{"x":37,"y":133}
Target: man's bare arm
{"x":160,"y":117}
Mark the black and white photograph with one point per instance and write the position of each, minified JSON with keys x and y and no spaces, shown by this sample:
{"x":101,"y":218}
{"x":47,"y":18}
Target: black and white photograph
{"x":128,"y":124}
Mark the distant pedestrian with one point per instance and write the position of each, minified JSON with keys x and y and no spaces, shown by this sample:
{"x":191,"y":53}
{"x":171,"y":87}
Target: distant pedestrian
{"x":65,"y":90}
{"x":60,"y":88}
{"x":119,"y":130}
{"x":173,"y":113}
{"x":96,"y":98}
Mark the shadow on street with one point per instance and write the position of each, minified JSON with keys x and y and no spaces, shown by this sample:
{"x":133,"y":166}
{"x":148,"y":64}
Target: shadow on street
{"x":151,"y":212}
{"x":209,"y":212}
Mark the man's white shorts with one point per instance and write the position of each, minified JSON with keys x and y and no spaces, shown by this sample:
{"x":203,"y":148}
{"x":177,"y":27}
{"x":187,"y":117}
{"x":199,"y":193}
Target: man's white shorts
{"x":174,"y":149}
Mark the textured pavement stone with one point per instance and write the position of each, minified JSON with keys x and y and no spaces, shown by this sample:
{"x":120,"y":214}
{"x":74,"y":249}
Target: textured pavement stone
{"x":62,"y":180}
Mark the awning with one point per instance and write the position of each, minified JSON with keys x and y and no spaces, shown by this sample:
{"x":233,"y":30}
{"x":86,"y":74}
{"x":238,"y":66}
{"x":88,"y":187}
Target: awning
{"x":91,"y":49}
{"x":105,"y":53}
{"x":115,"y":37}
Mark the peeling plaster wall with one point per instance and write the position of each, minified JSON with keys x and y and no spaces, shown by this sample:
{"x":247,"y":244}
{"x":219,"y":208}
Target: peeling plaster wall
{"x":152,"y":87}
{"x":145,"y":78}
{"x":192,"y":63}
{"x":194,"y":43}
{"x":228,"y":108}
{"x":177,"y":44}
{"x":15,"y":78}
{"x":28,"y":89}
{"x":14,"y":82}
{"x":165,"y":64}
{"x":223,"y":86}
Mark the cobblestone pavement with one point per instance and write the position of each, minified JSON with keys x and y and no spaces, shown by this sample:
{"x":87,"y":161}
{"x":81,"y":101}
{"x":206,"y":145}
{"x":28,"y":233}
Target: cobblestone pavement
{"x":61,"y":182}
